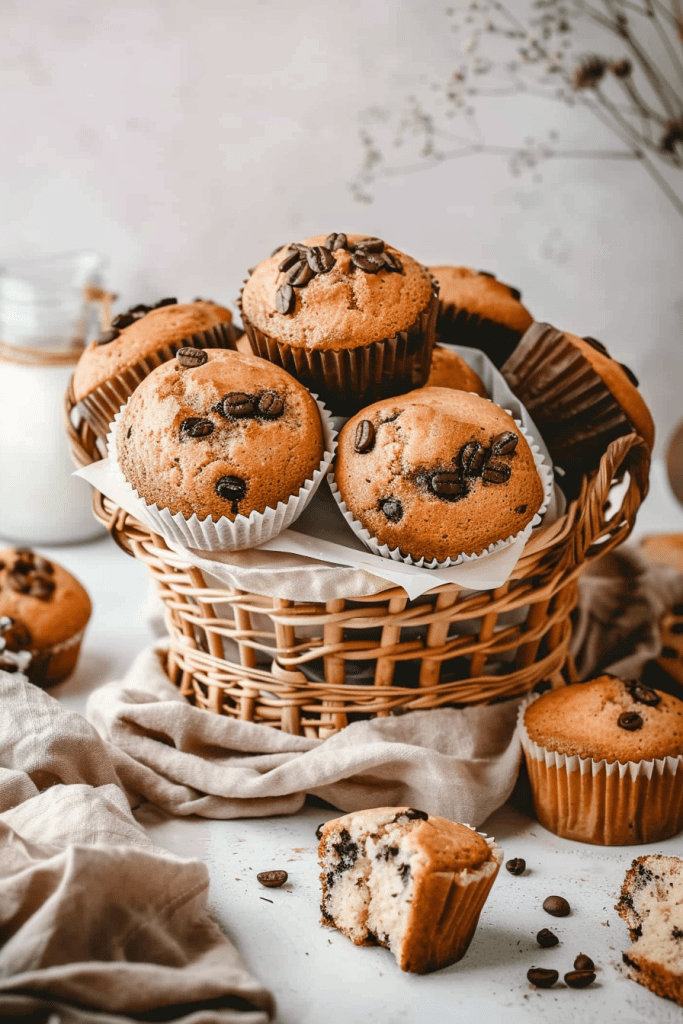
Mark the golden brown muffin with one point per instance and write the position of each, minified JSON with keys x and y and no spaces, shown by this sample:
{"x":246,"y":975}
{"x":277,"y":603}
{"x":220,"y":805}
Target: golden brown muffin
{"x":225,"y":436}
{"x":350,"y":316}
{"x":573,"y":734}
{"x":412,"y":882}
{"x":437,"y":473}
{"x":44,"y":610}
{"x":449,"y":370}
{"x":478,"y":311}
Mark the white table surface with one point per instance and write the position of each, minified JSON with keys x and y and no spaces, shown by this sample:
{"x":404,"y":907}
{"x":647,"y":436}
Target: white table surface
{"x":318,"y":975}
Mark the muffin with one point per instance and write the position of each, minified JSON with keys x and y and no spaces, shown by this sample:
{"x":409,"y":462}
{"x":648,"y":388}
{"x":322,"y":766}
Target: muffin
{"x":113,"y":365}
{"x":437,"y":474}
{"x":351,"y":317}
{"x":478,"y":311}
{"x":605,"y":760}
{"x":412,"y":882}
{"x":449,"y":370}
{"x":651,"y":903}
{"x":43,"y":610}
{"x":220,"y":435}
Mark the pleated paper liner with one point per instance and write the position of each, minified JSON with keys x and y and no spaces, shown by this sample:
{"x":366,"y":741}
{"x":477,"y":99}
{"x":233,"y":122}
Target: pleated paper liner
{"x":459,"y":327}
{"x":226,"y":534}
{"x":348,"y":379}
{"x":601,"y":802}
{"x":398,"y":555}
{"x":101,"y":406}
{"x":567,"y":399}
{"x":49,"y":665}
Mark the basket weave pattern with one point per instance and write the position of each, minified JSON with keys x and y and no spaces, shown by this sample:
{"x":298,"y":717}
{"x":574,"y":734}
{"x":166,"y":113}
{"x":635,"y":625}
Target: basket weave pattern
{"x":312,"y":668}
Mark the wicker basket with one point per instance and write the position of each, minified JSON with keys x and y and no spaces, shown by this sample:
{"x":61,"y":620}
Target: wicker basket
{"x":312,"y":668}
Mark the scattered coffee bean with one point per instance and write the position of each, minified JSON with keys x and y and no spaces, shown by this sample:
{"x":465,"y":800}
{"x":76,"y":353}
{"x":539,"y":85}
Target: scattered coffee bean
{"x":365,"y":437}
{"x":557,"y":906}
{"x":107,"y":336}
{"x":190,"y":357}
{"x":299,"y":275}
{"x":541,"y":977}
{"x":516,"y":866}
{"x":237,"y":406}
{"x":642,"y":693}
{"x":630,"y":720}
{"x":285,"y":299}
{"x":630,"y":374}
{"x":292,"y":257}
{"x":496,"y":472}
{"x":579,"y":979}
{"x":392,"y":509}
{"x":583,"y":963}
{"x":505,"y":443}
{"x":15,"y":633}
{"x":196,"y":427}
{"x":231,"y":488}
{"x":123,"y":320}
{"x":337,"y":240}
{"x":392,"y":262}
{"x":270,"y":405}
{"x":597,"y":345}
{"x":370,"y":245}
{"x":320,"y":260}
{"x":369,"y":262}
{"x":272,"y":879}
{"x":166,"y":302}
{"x":546,"y":938}
{"x":448,"y":485}
{"x":472,"y":457}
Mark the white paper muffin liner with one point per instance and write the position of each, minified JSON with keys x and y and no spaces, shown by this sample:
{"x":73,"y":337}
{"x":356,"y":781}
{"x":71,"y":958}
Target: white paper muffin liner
{"x":226,"y":534}
{"x":545,"y":473}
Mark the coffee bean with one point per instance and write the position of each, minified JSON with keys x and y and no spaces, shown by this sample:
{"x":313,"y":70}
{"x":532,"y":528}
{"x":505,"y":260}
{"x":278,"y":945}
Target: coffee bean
{"x":579,"y":979}
{"x":123,"y":320}
{"x":25,"y":553}
{"x":668,"y":652}
{"x":369,"y":262}
{"x":370,"y":245}
{"x":486,"y":273}
{"x":270,"y":405}
{"x":42,"y":565}
{"x":285,"y":300}
{"x":42,"y":587}
{"x":414,"y":815}
{"x":365,"y":437}
{"x":630,"y":374}
{"x":583,"y":963}
{"x":107,"y":336}
{"x":630,"y":720}
{"x":237,"y":406}
{"x":677,"y":628}
{"x":189,"y":357}
{"x":23,"y":565}
{"x":337,"y":240}
{"x":448,"y":485}
{"x":597,"y":345}
{"x":19,"y":582}
{"x":15,"y":634}
{"x":320,"y":260}
{"x":272,"y":879}
{"x":472,"y":457}
{"x":516,"y":294}
{"x":299,"y":275}
{"x":392,"y":509}
{"x":505,"y":443}
{"x":642,"y":693}
{"x":546,"y":938}
{"x":541,"y":977}
{"x":166,"y":302}
{"x":557,"y":906}
{"x":231,"y":488}
{"x":290,"y":259}
{"x":677,"y":609}
{"x":516,"y":866}
{"x":392,"y":262}
{"x":141,"y":308}
{"x":196,"y":427}
{"x":496,"y":472}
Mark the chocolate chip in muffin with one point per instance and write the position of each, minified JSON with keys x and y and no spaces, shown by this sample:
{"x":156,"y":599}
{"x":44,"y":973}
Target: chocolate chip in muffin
{"x":392,"y":509}
{"x":189,"y":357}
{"x":630,"y":720}
{"x":365,"y":437}
{"x":194,"y":426}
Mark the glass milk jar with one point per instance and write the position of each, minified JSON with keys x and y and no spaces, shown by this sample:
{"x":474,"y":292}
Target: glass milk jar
{"x":44,"y":321}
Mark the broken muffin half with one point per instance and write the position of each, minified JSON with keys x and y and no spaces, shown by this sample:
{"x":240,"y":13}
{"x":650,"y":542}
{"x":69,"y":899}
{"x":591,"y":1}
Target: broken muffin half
{"x":413,"y":882}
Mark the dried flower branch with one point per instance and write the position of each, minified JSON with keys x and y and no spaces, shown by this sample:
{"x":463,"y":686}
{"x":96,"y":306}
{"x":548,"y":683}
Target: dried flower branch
{"x":634,"y":89}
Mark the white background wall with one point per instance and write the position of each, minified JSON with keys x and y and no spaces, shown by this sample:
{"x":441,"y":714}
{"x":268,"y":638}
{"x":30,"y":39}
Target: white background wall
{"x":185,"y":140}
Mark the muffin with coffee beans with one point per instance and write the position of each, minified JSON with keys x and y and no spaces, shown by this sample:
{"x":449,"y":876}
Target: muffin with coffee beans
{"x":215,"y":436}
{"x":349,"y":315}
{"x":605,"y":761}
{"x":477,"y":310}
{"x":43,"y":611}
{"x":113,"y":365}
{"x":435,"y":475}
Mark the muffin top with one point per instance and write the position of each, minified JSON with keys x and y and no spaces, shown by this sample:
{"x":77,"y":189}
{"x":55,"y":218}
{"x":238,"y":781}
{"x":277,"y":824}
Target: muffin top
{"x":449,"y":370}
{"x":437,"y":473}
{"x":361,"y":291}
{"x":138,"y":333}
{"x":480,"y":293}
{"x":224,"y":436}
{"x":607,"y":719}
{"x":40,"y":602}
